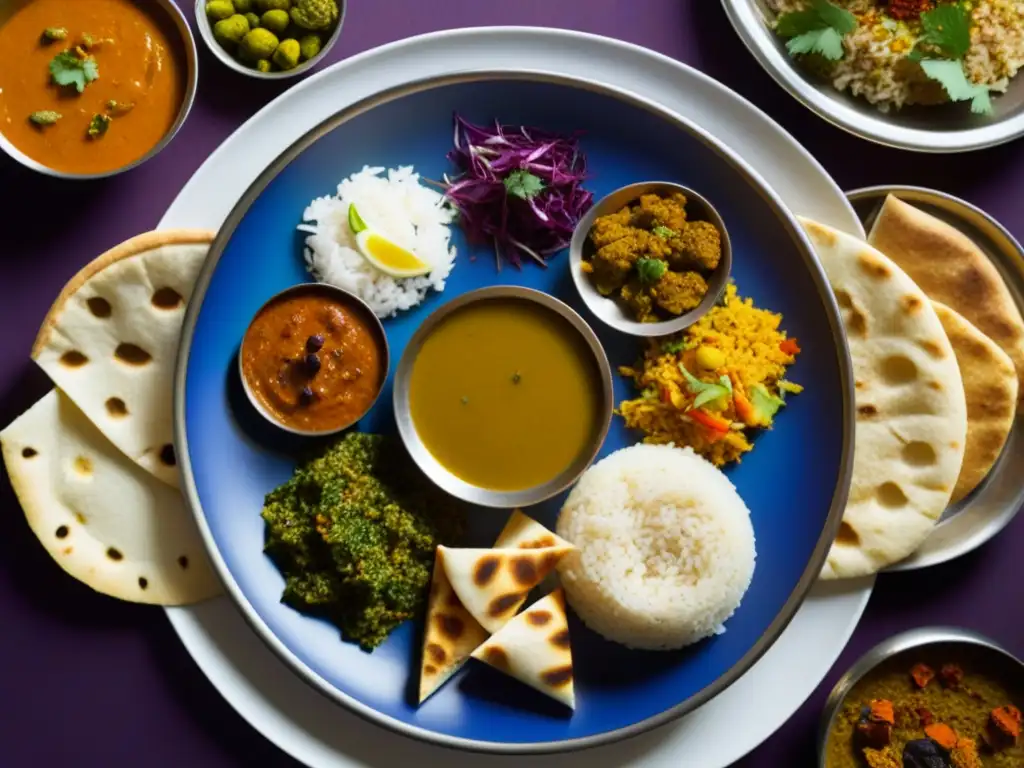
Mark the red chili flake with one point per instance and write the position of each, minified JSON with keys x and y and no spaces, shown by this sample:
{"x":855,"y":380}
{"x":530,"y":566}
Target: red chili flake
{"x":907,"y":10}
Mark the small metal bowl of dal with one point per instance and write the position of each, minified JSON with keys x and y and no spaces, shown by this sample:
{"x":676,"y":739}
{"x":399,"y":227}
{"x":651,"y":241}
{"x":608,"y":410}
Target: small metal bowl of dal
{"x":503,"y":397}
{"x":171,"y":22}
{"x":206,"y":32}
{"x":313,"y":360}
{"x":914,"y":646}
{"x":611,"y":311}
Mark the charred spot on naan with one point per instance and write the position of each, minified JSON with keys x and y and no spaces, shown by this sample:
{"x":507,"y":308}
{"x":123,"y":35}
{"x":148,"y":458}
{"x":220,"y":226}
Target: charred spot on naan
{"x":496,"y":657}
{"x":437,"y":653}
{"x":919,"y":453}
{"x":99,"y":307}
{"x":485,"y":570}
{"x":538,"y":618}
{"x":132,"y":354}
{"x":560,"y":639}
{"x":505,"y":604}
{"x":451,"y":627}
{"x":557,"y":676}
{"x":167,"y":299}
{"x":897,"y":370}
{"x":73,"y":359}
{"x":872,"y":267}
{"x":847,"y":536}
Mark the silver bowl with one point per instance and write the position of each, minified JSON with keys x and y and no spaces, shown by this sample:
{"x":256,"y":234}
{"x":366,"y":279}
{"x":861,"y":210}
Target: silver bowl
{"x":188,"y":47}
{"x":942,"y":128}
{"x":206,"y":32}
{"x":907,"y":642}
{"x":611,"y":311}
{"x":440,"y":475}
{"x":357,"y":304}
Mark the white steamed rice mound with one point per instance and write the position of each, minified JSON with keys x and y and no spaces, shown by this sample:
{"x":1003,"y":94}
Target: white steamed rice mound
{"x":665,"y":547}
{"x":397,"y":206}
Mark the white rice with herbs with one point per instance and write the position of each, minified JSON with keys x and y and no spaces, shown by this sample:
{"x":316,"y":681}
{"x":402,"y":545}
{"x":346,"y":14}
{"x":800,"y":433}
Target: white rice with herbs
{"x":665,"y":547}
{"x":398,"y":206}
{"x":875,"y":65}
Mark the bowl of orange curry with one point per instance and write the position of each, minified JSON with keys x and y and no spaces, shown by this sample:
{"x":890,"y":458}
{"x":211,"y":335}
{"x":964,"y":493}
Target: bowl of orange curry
{"x":314,"y":359}
{"x":92,"y":88}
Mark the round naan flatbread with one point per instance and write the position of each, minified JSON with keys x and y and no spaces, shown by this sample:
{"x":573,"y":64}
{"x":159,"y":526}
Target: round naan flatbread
{"x":110,"y":341}
{"x":950,"y":268}
{"x":105,"y":521}
{"x":990,"y":386}
{"x":911,"y":422}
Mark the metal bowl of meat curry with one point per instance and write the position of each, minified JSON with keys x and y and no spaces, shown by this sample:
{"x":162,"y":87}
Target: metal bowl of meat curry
{"x":503,"y":396}
{"x":91,"y":90}
{"x":933,"y":697}
{"x":666,"y":264}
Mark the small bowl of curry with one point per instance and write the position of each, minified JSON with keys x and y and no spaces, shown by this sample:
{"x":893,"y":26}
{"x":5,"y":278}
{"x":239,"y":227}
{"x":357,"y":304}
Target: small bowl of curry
{"x":651,"y":258}
{"x":503,"y":396}
{"x":934,"y":697}
{"x":313,"y":360}
{"x":93,"y":88}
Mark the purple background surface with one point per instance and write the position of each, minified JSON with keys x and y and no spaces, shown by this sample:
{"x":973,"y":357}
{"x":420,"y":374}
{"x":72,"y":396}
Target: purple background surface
{"x":88,"y":681}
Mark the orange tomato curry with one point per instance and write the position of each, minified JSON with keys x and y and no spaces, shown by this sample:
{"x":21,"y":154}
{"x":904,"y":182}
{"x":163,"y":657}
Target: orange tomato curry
{"x":140,"y":64}
{"x":313,"y":361}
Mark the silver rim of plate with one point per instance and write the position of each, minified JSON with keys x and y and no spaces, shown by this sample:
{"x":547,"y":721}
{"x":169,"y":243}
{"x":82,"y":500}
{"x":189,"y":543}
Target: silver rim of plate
{"x":939,"y":129}
{"x":967,"y":525}
{"x":803,"y":246}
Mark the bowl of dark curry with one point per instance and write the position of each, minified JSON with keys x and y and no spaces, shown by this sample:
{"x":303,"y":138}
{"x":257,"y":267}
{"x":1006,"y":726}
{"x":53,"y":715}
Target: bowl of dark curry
{"x":934,"y":697}
{"x":651,"y":259}
{"x":313,"y":360}
{"x":93,"y":89}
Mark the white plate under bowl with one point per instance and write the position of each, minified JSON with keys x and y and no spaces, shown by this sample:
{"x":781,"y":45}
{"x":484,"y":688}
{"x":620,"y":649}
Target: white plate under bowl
{"x":254,"y":681}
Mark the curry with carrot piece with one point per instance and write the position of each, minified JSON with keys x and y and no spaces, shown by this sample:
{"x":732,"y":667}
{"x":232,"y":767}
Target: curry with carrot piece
{"x":88,"y":86}
{"x":937,"y":713}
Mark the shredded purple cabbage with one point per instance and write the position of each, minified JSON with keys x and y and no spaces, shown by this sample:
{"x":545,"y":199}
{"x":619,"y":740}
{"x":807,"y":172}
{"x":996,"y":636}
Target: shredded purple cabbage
{"x":537,"y":224}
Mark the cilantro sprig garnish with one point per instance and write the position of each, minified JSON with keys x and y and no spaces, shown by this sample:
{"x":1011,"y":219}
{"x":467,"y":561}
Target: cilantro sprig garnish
{"x":523,"y":184}
{"x":940,"y":52}
{"x":69,"y":69}
{"x":818,"y":29}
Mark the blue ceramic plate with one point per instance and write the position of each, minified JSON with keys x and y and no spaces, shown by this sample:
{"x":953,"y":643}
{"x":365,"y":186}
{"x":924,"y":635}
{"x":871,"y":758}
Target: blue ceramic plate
{"x":795,"y":481}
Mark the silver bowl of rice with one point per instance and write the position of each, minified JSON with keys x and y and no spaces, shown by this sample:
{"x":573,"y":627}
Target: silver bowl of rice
{"x":871,"y":92}
{"x":665,"y":548}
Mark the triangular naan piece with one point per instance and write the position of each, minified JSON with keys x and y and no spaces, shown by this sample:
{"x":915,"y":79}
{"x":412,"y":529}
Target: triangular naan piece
{"x":104,"y":520}
{"x":452,"y":633}
{"x":534,"y":648}
{"x":911,"y":413}
{"x":990,"y":385}
{"x":110,"y":341}
{"x":522,"y":532}
{"x":494,"y":583}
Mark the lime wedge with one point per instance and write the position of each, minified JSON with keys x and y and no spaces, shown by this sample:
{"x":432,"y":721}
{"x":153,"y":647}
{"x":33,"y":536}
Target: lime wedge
{"x":355,"y":221}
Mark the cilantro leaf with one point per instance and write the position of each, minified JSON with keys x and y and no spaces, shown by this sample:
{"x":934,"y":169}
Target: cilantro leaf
{"x":947,"y":31}
{"x":650,"y":270}
{"x":673,"y":347}
{"x":68,"y":69}
{"x":664,"y":232}
{"x":826,"y":42}
{"x":523,"y":184}
{"x":951,"y":75}
{"x":819,"y":29}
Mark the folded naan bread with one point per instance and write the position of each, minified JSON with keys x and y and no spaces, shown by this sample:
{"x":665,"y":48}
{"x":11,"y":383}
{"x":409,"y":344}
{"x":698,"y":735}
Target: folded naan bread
{"x":493,"y":583}
{"x":911,"y":412}
{"x":452,"y":633}
{"x":990,"y":386}
{"x":534,"y":648}
{"x":110,"y":341}
{"x":950,"y":268}
{"x":104,"y":520}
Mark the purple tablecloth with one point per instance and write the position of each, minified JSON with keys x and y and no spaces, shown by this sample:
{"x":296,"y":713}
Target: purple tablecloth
{"x":87,"y":681}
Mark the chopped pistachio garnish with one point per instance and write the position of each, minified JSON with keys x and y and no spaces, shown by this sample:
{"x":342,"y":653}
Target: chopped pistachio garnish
{"x":119,"y":108}
{"x":55,"y":33}
{"x":45,"y":117}
{"x":98,"y":126}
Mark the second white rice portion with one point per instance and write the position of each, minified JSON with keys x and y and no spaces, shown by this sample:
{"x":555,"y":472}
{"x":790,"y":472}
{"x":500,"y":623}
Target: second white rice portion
{"x":398,"y":206}
{"x":665,"y":547}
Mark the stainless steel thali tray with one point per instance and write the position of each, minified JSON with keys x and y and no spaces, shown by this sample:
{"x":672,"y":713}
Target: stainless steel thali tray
{"x":950,"y":128}
{"x":967,"y":525}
